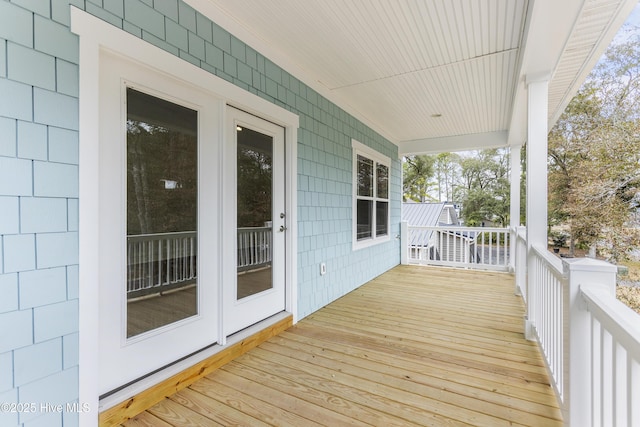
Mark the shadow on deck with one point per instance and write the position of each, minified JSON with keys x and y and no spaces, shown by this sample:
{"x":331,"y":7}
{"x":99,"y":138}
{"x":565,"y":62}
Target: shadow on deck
{"x":415,"y":346}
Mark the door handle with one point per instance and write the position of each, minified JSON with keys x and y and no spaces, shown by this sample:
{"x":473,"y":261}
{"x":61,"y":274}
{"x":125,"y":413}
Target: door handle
{"x":283,"y":228}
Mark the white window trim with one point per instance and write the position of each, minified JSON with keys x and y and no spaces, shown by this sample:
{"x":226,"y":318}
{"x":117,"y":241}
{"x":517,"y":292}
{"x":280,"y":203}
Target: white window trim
{"x":360,"y":148}
{"x":96,"y":35}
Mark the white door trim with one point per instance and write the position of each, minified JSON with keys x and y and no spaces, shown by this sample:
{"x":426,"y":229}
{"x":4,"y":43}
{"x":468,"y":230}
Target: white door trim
{"x":96,"y":35}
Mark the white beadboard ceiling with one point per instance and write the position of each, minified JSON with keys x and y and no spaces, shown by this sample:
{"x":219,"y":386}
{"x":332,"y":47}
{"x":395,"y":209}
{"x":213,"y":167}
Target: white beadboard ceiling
{"x":396,"y":63}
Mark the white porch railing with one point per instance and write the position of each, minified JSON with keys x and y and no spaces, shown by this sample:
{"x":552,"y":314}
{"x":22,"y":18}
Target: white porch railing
{"x":470,"y":247}
{"x":254,"y":247}
{"x":160,"y":262}
{"x":589,"y":339}
{"x":547,"y":311}
{"x":614,"y":355}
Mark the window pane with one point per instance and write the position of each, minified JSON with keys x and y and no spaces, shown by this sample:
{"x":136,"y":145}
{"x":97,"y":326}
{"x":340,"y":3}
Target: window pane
{"x":364,"y":219}
{"x":382,"y":177}
{"x":382,"y":218}
{"x":162,"y":210}
{"x":365,"y":176}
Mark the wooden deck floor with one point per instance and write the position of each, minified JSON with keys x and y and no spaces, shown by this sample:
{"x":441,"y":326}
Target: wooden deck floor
{"x":416,"y":346}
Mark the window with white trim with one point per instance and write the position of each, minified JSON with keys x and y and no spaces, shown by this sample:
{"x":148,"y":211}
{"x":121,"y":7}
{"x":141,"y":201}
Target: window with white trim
{"x":370,"y":196}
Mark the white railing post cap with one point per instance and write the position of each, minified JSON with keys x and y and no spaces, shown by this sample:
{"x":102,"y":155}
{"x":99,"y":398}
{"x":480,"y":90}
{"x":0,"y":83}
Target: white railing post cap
{"x":588,"y":265}
{"x":589,"y":272}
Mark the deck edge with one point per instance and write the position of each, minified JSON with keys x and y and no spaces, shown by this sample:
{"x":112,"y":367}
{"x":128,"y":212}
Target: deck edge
{"x":133,"y":406}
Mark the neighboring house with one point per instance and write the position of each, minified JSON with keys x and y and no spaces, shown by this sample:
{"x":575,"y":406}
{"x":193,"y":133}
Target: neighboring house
{"x":430,"y":214}
{"x":141,"y":120}
{"x":432,"y":244}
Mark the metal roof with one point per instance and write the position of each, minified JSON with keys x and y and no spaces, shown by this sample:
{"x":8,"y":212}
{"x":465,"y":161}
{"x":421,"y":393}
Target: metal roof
{"x":422,"y":214}
{"x":428,"y":215}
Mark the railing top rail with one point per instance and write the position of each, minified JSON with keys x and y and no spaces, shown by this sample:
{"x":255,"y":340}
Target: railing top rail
{"x":254,"y":228}
{"x":553,"y":263}
{"x":160,"y":235}
{"x":461,"y":228}
{"x":617,"y":318}
{"x":183,"y":233}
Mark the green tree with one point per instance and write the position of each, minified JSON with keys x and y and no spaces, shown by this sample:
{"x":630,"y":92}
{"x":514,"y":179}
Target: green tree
{"x":447,"y":167}
{"x":155,"y":155}
{"x":594,"y":155}
{"x":418,"y":172}
{"x":484,"y":187}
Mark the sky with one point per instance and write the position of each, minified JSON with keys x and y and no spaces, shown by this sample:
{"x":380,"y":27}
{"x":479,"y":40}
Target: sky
{"x":635,"y":15}
{"x":632,"y":21}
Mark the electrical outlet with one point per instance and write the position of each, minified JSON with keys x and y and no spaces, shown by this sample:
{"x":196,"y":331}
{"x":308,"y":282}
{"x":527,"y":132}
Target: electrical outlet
{"x":323,"y":268}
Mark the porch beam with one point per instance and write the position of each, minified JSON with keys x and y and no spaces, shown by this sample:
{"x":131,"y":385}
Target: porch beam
{"x":474,"y":141}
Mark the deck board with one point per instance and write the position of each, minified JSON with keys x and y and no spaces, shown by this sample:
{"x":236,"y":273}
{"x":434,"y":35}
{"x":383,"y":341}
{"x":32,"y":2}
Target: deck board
{"x":415,"y":346}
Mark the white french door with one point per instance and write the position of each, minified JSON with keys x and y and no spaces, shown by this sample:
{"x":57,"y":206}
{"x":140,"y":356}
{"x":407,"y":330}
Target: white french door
{"x":255,"y":221}
{"x":159,"y":260}
{"x":159,"y":221}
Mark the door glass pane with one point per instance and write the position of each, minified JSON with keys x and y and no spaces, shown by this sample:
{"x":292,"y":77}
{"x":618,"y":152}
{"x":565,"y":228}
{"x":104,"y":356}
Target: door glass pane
{"x":162,"y":206}
{"x":254,"y":192}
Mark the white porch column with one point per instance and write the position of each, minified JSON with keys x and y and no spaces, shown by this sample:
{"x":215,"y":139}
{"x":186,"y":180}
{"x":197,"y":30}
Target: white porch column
{"x":404,"y":242}
{"x":537,"y":130}
{"x":514,"y":156}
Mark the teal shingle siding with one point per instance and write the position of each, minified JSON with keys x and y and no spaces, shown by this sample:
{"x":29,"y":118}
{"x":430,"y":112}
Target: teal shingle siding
{"x":9,"y":215}
{"x":39,"y":180}
{"x":16,"y":100}
{"x":29,"y":66}
{"x":32,"y":140}
{"x":38,"y":209}
{"x":7,"y":137}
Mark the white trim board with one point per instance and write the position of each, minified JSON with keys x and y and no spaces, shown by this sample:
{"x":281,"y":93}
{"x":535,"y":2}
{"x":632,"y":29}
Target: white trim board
{"x":95,"y":36}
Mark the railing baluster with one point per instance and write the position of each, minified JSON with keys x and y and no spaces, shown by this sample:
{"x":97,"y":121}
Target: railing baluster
{"x":495,"y":253}
{"x":129,"y":267}
{"x":145,"y":258}
{"x":605,"y":372}
{"x":619,"y":384}
{"x":254,"y":247}
{"x":633,"y":390}
{"x":192,"y":259}
{"x":596,"y":368}
{"x":455,"y":247}
{"x":491,"y":246}
{"x":157,"y":260}
{"x":175,"y":262}
{"x":184,"y":260}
